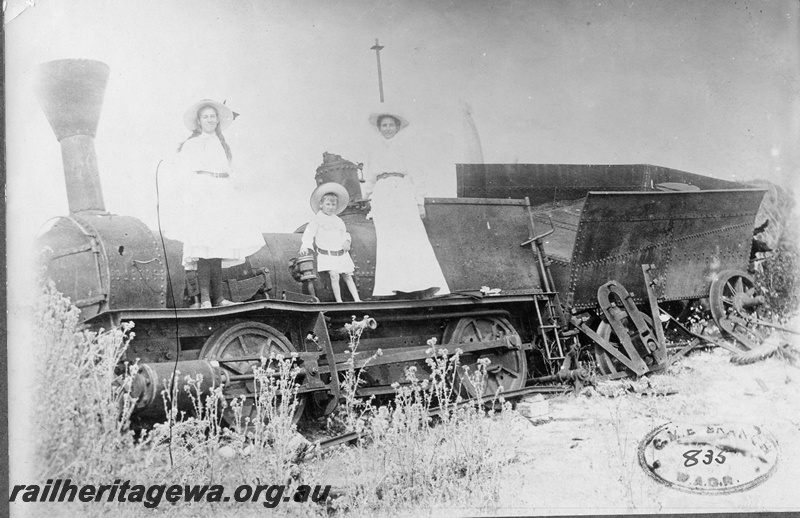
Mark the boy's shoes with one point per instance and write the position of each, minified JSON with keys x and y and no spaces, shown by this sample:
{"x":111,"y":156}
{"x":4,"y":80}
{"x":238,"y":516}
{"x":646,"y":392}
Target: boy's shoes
{"x":205,"y":305}
{"x":223,"y":302}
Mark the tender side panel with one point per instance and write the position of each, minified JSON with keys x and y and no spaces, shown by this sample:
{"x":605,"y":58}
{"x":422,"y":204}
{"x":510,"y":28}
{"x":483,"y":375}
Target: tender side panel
{"x":553,"y":183}
{"x":688,"y":236}
{"x":546,"y":183}
{"x":477,"y":243}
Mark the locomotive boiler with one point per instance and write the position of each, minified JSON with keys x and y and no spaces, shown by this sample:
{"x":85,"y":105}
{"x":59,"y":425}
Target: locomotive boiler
{"x":537,"y":258}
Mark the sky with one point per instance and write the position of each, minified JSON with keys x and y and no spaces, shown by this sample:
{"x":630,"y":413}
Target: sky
{"x":709,"y":87}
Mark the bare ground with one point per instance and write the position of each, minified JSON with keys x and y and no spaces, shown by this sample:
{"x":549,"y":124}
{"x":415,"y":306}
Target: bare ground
{"x":584,"y":460}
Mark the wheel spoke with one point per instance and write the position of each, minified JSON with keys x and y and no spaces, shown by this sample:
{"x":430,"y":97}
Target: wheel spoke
{"x":478,"y":333}
{"x":244,"y":347}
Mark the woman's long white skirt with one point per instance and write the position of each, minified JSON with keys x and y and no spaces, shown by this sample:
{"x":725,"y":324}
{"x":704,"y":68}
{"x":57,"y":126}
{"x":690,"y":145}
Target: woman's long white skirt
{"x":211,"y":227}
{"x":405,"y":259}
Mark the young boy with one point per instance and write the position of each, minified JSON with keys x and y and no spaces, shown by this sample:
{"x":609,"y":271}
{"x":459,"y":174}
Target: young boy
{"x":328,"y":235}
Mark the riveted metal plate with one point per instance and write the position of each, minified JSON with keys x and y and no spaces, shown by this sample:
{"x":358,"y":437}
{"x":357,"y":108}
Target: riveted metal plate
{"x":688,"y":236}
{"x":477,"y":242}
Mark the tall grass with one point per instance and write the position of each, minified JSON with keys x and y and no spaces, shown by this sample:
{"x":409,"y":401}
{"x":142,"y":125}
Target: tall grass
{"x":404,"y":462}
{"x":409,"y":459}
{"x":81,"y":415}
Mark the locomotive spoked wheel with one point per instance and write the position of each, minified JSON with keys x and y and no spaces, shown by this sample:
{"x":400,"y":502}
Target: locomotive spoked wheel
{"x":507,"y":368}
{"x":734,"y":305}
{"x":247,"y":340}
{"x":607,"y":365}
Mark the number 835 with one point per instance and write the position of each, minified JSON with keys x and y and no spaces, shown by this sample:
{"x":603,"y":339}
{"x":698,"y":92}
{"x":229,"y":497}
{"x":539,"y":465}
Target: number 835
{"x":708,"y":458}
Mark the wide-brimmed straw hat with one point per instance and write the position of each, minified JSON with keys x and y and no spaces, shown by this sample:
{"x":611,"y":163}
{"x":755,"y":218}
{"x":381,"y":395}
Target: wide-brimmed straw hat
{"x":330,"y":188}
{"x":382,"y":110}
{"x":224,"y":114}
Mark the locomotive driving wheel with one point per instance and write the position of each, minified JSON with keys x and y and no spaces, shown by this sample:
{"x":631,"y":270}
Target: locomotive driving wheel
{"x":507,"y":368}
{"x":734,"y":306}
{"x":249,"y":341}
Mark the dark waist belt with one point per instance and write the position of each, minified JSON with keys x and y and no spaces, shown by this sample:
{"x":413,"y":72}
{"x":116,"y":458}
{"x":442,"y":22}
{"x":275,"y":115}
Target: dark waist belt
{"x":330,"y":252}
{"x":215,"y":175}
{"x":388,"y":175}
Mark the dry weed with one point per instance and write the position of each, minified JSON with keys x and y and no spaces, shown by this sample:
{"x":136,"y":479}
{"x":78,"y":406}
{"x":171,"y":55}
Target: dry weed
{"x":405,"y":462}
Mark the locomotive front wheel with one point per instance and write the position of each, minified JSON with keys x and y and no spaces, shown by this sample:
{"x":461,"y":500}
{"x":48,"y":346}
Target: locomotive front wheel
{"x":734,"y":303}
{"x":248,"y":340}
{"x":507,"y":369}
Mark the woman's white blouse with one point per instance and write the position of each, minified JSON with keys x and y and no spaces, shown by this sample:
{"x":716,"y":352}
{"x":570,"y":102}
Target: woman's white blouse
{"x":204,"y":153}
{"x":390,"y":156}
{"x":329,"y":232}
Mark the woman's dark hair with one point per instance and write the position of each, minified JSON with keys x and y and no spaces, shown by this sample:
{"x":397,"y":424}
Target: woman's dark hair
{"x":196,"y":133}
{"x":387,"y":116}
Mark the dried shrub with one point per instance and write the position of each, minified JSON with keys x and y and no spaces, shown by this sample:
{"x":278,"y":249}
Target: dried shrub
{"x":405,"y":462}
{"x":409,"y":460}
{"x":779,"y":277}
{"x":80,"y":409}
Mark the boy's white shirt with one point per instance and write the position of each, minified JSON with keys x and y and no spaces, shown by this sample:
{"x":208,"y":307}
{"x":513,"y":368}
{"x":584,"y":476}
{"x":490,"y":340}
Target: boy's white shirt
{"x":329,"y":232}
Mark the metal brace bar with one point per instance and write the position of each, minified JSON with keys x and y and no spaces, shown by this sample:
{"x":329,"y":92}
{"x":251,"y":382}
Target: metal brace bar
{"x":638,"y":367}
{"x":661,"y":353}
{"x":324,"y":340}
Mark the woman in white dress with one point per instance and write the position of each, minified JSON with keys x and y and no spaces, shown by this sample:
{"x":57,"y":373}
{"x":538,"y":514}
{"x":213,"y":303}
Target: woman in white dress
{"x":405,"y":262}
{"x":212,"y":239}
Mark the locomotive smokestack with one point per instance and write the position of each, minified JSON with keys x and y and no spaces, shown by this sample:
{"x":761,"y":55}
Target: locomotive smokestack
{"x":71,"y":94}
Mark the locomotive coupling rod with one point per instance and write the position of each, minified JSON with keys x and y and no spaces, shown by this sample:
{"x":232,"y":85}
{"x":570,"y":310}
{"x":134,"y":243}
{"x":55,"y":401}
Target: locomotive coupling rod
{"x":301,"y":374}
{"x":407,"y":354}
{"x":299,"y":357}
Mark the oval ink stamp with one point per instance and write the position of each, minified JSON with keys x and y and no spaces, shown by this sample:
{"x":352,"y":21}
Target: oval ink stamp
{"x":717,"y":458}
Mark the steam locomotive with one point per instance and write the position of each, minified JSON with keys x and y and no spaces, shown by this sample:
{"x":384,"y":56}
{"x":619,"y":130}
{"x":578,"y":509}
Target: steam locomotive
{"x":552,"y":268}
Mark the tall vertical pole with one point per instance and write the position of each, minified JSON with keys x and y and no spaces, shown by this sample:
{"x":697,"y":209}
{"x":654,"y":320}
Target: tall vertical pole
{"x":377,"y":48}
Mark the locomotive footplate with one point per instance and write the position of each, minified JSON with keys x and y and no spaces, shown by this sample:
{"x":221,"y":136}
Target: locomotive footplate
{"x":115,"y":317}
